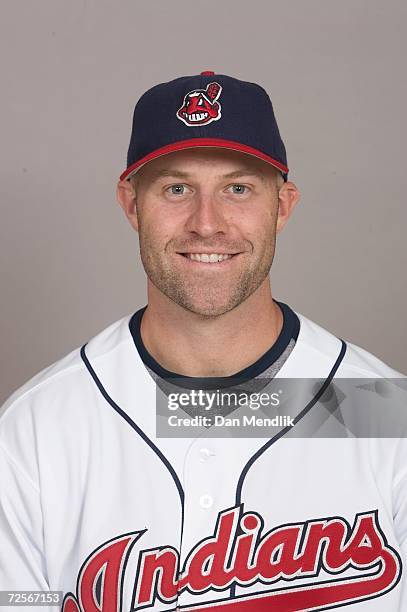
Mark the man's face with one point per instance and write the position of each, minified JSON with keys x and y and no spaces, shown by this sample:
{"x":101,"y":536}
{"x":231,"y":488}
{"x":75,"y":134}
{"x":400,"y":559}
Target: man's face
{"x":207,"y":227}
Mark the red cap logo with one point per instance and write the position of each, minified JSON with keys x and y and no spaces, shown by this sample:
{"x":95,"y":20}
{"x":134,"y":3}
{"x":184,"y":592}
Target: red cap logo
{"x":200,"y":106}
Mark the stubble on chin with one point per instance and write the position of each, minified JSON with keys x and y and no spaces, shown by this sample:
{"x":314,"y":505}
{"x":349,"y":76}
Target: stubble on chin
{"x":211,"y":298}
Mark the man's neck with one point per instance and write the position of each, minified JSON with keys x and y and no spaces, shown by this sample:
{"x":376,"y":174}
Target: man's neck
{"x":190,"y":345}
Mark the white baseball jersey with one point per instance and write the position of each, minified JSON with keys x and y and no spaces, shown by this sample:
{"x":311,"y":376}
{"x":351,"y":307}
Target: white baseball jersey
{"x":93,"y":503}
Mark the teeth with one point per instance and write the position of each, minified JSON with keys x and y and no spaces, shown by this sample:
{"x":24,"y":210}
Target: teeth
{"x":208,"y":258}
{"x":197,"y":116}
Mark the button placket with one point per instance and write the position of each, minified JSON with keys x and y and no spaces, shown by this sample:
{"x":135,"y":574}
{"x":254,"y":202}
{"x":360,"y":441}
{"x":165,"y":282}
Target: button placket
{"x":206,"y":501}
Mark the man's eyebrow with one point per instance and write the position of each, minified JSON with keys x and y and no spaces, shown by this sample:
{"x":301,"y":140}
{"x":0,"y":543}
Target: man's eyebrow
{"x":185,"y":175}
{"x":244,"y":172}
{"x":173,"y":173}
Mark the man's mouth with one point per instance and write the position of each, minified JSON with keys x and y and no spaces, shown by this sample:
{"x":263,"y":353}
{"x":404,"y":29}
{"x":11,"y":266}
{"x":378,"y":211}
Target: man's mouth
{"x":209,"y":258}
{"x":196,"y":116}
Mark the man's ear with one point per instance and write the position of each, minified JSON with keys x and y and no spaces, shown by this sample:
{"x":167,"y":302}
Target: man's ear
{"x":288,"y":197}
{"x":126,"y":197}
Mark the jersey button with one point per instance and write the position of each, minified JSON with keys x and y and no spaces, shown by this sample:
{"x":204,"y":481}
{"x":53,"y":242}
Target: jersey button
{"x":206,"y":501}
{"x":205,"y":454}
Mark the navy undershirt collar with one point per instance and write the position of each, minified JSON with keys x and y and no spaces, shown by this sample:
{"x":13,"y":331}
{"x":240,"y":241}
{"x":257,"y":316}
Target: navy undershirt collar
{"x":289,"y":331}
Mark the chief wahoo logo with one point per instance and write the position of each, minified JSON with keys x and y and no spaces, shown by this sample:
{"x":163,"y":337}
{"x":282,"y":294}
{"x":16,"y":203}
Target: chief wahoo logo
{"x":200,"y":106}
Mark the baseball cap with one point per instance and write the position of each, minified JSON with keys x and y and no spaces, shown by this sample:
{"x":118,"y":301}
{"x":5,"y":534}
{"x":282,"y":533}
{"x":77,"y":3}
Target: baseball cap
{"x":205,"y":110}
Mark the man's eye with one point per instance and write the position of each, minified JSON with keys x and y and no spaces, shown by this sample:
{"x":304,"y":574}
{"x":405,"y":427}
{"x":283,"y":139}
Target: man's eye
{"x":239,"y":189}
{"x":177,"y":189}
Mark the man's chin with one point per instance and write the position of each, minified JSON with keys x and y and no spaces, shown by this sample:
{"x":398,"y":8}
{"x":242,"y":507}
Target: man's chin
{"x":206,"y":312}
{"x":207,"y":308}
{"x":202,"y":299}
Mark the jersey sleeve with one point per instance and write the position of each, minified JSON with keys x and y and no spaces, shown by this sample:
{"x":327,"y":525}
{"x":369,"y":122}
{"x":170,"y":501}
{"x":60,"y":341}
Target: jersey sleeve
{"x":22,"y":559}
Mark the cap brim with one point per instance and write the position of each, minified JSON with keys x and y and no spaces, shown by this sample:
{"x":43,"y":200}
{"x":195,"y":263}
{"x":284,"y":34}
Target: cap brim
{"x":203,"y":142}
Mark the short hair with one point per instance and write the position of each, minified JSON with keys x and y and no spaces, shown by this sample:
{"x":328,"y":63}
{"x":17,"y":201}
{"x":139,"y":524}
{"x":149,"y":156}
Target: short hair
{"x":279,"y":179}
{"x":134,"y":180}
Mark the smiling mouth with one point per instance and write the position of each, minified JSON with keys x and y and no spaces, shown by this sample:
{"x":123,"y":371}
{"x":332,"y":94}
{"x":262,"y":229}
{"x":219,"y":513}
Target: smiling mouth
{"x":208,"y":258}
{"x":196,"y":116}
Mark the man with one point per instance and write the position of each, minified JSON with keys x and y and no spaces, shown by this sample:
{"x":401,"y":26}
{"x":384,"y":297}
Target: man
{"x":96,"y":503}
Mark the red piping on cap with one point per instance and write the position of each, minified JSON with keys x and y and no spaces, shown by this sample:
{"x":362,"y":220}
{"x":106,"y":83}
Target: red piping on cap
{"x":202,"y":142}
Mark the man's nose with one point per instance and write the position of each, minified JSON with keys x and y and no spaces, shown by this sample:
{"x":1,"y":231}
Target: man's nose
{"x":207,"y":216}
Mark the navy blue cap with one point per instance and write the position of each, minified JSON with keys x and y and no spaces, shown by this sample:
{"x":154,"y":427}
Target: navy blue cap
{"x":205,"y":110}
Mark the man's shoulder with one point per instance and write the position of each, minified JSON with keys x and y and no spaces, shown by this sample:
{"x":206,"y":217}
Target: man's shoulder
{"x":368,"y":364}
{"x":67,"y":374}
{"x":356,"y":362}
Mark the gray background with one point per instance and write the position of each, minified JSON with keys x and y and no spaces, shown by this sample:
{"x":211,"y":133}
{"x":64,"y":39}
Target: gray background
{"x":71,"y":73}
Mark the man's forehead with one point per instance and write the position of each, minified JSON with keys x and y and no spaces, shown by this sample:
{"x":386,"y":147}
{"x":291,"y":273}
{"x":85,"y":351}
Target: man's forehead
{"x":221,"y":162}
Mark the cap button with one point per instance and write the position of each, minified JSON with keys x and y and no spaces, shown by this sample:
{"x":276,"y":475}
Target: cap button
{"x":207,"y":73}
